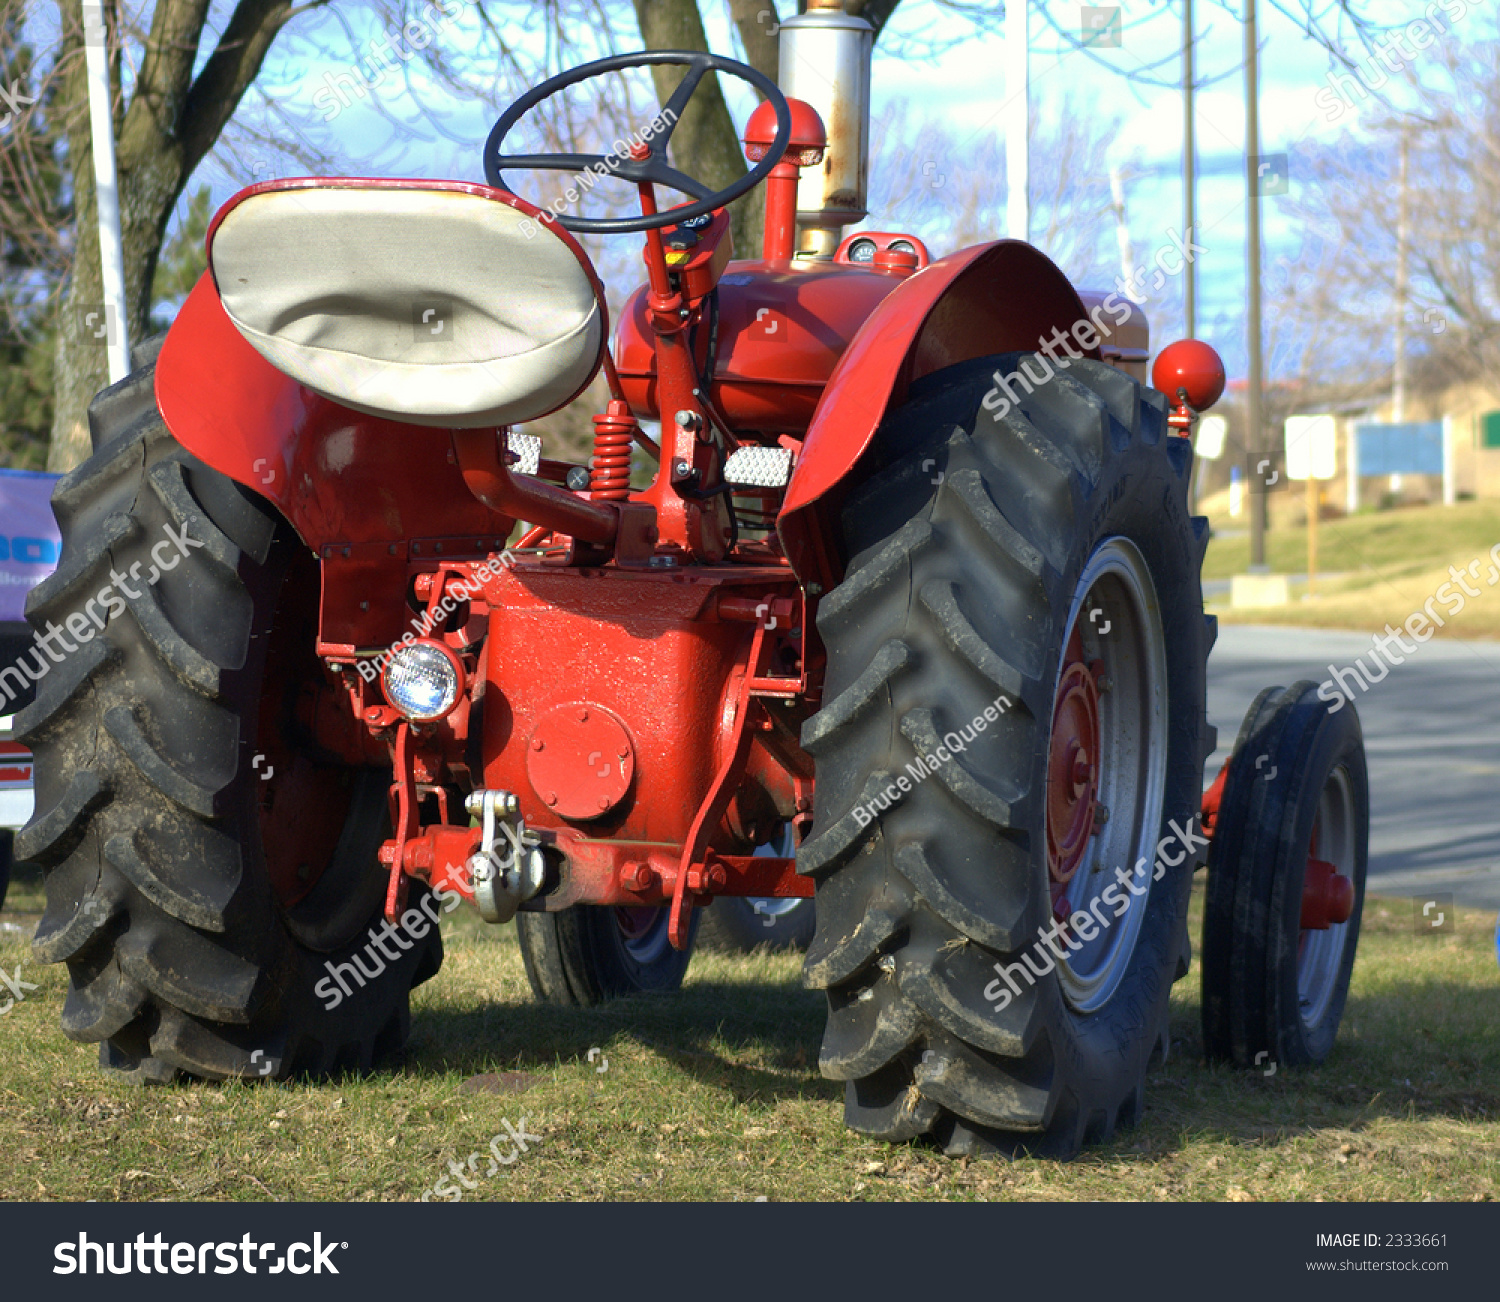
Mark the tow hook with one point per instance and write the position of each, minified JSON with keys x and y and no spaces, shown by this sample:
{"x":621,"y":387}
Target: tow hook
{"x":509,"y":867}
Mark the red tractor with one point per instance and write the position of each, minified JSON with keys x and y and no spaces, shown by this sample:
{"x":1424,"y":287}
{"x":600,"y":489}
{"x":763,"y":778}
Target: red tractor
{"x":907,"y":618}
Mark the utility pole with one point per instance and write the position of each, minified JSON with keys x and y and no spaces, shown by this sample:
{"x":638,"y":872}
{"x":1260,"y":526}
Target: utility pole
{"x":1189,"y":205}
{"x":1254,"y":433}
{"x":1122,"y":225}
{"x":106,"y":191}
{"x":1403,"y":254}
{"x":1189,"y":178}
{"x":1017,"y":121}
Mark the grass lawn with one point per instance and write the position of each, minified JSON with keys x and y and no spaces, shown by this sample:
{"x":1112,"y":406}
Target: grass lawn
{"x":1384,"y":566}
{"x":715,"y":1094}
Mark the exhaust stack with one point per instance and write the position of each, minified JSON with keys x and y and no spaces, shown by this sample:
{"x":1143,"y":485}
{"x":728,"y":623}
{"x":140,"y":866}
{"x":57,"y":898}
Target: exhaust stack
{"x":825,"y":61}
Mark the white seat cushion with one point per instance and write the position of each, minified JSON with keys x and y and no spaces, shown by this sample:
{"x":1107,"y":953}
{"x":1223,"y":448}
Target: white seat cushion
{"x":431,"y":305}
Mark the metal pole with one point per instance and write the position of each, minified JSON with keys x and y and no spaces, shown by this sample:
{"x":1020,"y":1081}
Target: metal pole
{"x":1017,"y":121}
{"x":1189,"y":178}
{"x":1255,"y":434}
{"x":1403,"y":241}
{"x":1450,"y":485}
{"x":1122,"y":226}
{"x":1189,"y":206}
{"x":1314,"y":496}
{"x":106,"y":191}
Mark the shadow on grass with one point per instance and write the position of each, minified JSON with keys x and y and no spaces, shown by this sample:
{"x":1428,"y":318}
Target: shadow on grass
{"x":1424,"y":1052}
{"x":755,"y":1040}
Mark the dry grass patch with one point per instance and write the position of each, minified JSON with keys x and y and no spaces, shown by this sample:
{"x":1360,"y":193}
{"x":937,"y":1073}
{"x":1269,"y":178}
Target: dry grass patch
{"x":715,"y":1094}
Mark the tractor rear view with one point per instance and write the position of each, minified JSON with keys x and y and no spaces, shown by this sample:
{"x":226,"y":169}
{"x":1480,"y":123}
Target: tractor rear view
{"x":908,"y":619}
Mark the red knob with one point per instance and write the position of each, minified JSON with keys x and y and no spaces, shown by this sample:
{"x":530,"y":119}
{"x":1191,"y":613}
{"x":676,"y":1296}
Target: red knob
{"x":1190,"y":372}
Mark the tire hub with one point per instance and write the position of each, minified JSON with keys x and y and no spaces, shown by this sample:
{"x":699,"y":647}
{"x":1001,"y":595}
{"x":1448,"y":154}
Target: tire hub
{"x":1072,"y":771}
{"x":1106,"y":771}
{"x":1328,"y":897}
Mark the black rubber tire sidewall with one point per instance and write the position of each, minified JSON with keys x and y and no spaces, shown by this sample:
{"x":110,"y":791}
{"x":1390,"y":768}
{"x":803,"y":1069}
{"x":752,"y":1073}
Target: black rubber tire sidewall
{"x":577,"y":957}
{"x":1256,"y":880}
{"x":733,"y":925}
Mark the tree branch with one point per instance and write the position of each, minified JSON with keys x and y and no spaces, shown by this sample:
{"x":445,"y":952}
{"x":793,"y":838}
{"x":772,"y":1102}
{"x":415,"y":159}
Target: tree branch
{"x":230,"y":69}
{"x":757,"y":22}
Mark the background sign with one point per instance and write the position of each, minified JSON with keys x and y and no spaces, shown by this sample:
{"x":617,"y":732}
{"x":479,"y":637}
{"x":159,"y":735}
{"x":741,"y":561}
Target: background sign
{"x":1312,"y":447}
{"x":29,"y":541}
{"x":1413,"y":448}
{"x":1210,"y":441}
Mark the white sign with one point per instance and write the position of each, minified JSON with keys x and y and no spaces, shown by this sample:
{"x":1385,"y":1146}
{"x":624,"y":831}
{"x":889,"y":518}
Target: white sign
{"x":1311,"y":447}
{"x":1210,"y":441}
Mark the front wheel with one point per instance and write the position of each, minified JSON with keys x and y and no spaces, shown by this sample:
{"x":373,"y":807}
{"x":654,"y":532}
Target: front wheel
{"x":590,"y":953}
{"x":735,"y":924}
{"x":1286,"y":882}
{"x":1009,"y":761}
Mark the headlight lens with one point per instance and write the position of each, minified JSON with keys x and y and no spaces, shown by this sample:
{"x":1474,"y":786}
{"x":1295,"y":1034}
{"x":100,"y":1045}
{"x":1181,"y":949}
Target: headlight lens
{"x":422,"y":680}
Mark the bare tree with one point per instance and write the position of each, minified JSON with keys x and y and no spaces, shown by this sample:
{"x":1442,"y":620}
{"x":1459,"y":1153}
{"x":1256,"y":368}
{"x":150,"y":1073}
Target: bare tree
{"x":947,"y":185}
{"x":165,"y":127}
{"x":1341,"y":297}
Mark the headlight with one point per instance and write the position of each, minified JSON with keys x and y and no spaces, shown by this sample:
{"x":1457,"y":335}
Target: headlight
{"x":422,"y":680}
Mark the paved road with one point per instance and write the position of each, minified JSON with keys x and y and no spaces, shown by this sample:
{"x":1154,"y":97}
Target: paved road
{"x":1432,"y":735}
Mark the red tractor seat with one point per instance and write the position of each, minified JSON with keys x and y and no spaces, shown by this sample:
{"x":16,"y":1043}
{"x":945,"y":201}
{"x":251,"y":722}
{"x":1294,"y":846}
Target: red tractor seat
{"x":433,"y":303}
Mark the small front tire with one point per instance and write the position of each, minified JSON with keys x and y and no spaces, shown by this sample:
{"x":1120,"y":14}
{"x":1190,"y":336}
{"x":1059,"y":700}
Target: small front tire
{"x":588,"y":954}
{"x":1297,"y":796}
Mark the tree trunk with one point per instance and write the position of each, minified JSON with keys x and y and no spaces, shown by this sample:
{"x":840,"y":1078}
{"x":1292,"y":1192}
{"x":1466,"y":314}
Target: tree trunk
{"x":171,"y":123}
{"x":705,"y":143}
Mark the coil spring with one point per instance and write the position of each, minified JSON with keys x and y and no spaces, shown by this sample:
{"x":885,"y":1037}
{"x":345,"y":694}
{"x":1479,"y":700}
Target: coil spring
{"x":610,"y":477}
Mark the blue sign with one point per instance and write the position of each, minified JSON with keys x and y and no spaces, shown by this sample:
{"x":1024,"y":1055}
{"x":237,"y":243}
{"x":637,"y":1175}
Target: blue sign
{"x":29,"y":541}
{"x":1412,"y":448}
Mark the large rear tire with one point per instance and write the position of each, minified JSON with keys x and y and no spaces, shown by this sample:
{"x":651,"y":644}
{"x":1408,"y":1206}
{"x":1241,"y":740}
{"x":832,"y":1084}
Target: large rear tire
{"x":205,"y":862}
{"x":1029,"y":559}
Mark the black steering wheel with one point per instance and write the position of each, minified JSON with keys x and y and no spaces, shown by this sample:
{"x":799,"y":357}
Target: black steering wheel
{"x":654,"y":167}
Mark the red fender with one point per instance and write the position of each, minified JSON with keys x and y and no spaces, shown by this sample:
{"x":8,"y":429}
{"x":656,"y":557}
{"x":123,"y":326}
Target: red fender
{"x":375,"y":494}
{"x":337,"y":475}
{"x":990,"y":298}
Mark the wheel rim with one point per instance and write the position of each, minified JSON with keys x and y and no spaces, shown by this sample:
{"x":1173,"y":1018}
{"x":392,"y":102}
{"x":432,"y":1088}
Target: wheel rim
{"x":1320,"y":952}
{"x":781,"y":846}
{"x":1106,"y":770}
{"x":643,"y":933}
